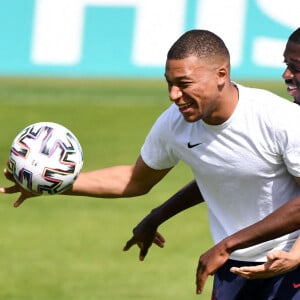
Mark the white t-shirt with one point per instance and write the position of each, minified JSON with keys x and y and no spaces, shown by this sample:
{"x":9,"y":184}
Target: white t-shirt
{"x":243,"y":167}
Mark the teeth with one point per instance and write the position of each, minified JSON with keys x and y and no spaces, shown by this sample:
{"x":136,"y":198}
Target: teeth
{"x":292,"y":87}
{"x":184,"y":105}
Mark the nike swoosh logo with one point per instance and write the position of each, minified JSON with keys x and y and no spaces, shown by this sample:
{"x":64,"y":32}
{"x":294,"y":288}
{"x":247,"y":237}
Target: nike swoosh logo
{"x":296,"y":285}
{"x":193,"y":145}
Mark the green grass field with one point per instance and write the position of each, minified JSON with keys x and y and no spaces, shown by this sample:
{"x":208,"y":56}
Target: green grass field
{"x":62,"y":247}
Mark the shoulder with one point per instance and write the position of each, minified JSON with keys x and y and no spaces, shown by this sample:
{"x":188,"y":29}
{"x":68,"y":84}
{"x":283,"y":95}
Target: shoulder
{"x":264,"y":109}
{"x":266,"y":101}
{"x":273,"y":113}
{"x":171,"y":113}
{"x":169,"y":117}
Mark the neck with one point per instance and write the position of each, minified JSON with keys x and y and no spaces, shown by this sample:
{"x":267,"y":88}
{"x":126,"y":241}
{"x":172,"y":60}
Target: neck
{"x":226,"y":106}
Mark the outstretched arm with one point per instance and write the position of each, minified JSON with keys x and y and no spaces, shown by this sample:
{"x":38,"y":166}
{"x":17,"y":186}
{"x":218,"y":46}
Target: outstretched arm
{"x":145,"y":233}
{"x":113,"y":182}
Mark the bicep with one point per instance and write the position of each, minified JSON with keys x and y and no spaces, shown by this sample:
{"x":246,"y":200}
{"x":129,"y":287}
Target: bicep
{"x":144,"y":178}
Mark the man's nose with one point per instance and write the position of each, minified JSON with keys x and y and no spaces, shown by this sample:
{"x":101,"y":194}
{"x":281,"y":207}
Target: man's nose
{"x":287,"y":74}
{"x":174,"y":93}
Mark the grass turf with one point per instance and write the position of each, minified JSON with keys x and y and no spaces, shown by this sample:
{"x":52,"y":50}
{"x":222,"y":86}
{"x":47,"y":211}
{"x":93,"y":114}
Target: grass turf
{"x":61,"y":247}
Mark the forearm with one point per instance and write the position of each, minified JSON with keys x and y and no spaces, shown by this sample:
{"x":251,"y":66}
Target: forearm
{"x":284,"y":220}
{"x":105,"y":183}
{"x":118,"y":181}
{"x":185,"y":198}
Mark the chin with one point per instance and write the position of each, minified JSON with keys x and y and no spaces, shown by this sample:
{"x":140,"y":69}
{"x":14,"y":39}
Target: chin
{"x":297,"y":100}
{"x":191,"y":119}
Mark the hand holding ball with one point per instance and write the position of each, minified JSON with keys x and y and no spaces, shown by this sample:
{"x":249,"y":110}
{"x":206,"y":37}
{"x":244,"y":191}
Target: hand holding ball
{"x":45,"y":158}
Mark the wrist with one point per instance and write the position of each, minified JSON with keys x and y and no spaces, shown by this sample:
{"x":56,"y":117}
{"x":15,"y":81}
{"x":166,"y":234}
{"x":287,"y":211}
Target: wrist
{"x":154,"y":218}
{"x":229,"y":245}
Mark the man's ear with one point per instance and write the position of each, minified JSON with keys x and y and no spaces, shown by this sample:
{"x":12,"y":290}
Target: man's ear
{"x":223,"y":74}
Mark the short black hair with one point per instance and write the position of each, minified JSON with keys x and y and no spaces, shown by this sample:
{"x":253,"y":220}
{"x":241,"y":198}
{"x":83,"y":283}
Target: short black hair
{"x":201,"y":43}
{"x":295,"y":36}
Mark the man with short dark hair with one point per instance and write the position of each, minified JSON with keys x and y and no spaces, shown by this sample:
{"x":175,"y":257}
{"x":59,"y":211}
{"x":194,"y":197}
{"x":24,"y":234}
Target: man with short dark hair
{"x":243,"y":147}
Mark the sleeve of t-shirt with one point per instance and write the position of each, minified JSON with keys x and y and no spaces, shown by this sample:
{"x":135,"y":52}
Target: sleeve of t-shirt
{"x":157,"y":149}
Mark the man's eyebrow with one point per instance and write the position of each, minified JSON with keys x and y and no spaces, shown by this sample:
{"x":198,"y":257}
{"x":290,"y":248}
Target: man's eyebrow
{"x":291,"y":60}
{"x":184,"y":77}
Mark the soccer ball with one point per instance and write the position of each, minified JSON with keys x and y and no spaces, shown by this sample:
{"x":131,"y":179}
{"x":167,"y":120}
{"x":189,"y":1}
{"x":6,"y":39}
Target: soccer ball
{"x":45,"y":158}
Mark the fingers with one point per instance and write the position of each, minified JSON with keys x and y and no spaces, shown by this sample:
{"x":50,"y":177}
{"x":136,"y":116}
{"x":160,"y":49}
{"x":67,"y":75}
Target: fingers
{"x":143,"y":251}
{"x":19,"y":202}
{"x":129,"y":244}
{"x":8,"y":174}
{"x":159,"y":240}
{"x":144,"y":238}
{"x":200,"y":281}
{"x":249,"y":272}
{"x":277,"y":262}
{"x":143,"y":247}
{"x":276,"y":254}
{"x":201,"y":276}
{"x":265,"y":270}
{"x":16,"y":188}
{"x":9,"y":190}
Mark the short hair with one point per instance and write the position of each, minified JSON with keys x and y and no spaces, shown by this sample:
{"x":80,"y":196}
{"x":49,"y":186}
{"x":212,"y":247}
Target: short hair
{"x":295,"y":36}
{"x":200,"y":43}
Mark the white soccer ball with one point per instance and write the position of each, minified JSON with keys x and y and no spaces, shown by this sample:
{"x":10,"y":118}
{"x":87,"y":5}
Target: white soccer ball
{"x":45,"y":158}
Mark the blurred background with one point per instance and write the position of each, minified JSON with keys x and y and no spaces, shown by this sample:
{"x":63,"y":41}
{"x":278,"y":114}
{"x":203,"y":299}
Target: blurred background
{"x":130,"y":38}
{"x":96,"y":66}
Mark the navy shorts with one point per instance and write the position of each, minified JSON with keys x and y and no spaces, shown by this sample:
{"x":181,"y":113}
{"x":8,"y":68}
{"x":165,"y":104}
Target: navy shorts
{"x":228,"y":286}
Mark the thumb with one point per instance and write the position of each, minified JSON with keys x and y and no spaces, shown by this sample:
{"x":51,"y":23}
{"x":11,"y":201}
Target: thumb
{"x":274,"y":255}
{"x":19,"y":201}
{"x":129,"y":244}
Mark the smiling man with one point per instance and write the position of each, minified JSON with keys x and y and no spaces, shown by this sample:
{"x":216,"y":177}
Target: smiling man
{"x":279,"y":262}
{"x":245,"y":158}
{"x":291,"y":74}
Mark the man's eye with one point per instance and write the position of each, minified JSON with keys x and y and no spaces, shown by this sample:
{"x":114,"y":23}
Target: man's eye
{"x":293,"y":68}
{"x":184,"y":84}
{"x":169,"y":84}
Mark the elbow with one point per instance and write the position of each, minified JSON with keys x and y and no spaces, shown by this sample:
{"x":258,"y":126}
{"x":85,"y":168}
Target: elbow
{"x":136,"y":191}
{"x":143,"y":191}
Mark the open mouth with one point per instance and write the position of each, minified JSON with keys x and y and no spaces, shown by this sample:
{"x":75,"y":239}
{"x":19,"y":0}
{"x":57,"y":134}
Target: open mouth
{"x":185,"y":106}
{"x":292,"y":89}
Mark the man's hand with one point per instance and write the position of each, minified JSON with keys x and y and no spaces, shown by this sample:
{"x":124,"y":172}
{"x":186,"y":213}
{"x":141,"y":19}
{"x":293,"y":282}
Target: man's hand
{"x":209,"y":263}
{"x":144,"y":235}
{"x":278,"y":262}
{"x":15,"y":188}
